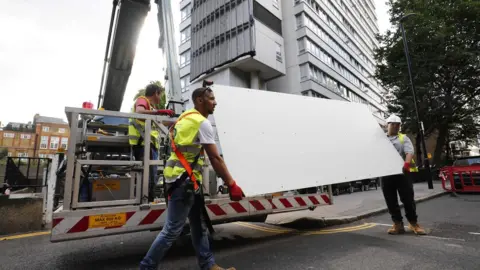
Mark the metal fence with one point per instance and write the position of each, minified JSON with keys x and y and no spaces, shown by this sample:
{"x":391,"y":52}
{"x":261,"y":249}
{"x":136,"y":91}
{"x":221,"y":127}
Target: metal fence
{"x":27,"y":172}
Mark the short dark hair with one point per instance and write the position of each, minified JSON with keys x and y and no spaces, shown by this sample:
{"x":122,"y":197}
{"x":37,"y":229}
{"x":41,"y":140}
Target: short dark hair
{"x":199,"y":92}
{"x":152,"y":89}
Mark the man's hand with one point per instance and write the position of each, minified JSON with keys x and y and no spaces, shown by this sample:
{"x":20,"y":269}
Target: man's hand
{"x":236,"y":193}
{"x":406,"y":167}
{"x":166,"y":112}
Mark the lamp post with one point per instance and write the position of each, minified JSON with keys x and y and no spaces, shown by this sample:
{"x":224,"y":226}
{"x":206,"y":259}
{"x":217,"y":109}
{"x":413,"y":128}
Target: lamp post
{"x":419,"y":123}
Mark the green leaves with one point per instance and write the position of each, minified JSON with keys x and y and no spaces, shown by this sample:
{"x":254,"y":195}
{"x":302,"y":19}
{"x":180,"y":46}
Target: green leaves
{"x":160,"y":106}
{"x":444,"y":43}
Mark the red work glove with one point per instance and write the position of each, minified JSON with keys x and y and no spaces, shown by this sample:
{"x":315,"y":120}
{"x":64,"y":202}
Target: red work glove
{"x":236,"y":193}
{"x":406,"y":167}
{"x":166,"y":112}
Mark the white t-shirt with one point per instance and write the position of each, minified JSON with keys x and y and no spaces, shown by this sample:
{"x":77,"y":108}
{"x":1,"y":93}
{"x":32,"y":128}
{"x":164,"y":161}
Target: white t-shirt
{"x":205,"y":134}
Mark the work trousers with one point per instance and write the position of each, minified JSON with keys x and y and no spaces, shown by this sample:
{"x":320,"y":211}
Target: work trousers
{"x":403,"y":184}
{"x":152,"y":181}
{"x":180,"y":206}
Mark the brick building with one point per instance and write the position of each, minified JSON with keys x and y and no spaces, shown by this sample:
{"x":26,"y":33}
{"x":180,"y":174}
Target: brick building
{"x":42,"y":138}
{"x":52,"y":134}
{"x":18,"y":139}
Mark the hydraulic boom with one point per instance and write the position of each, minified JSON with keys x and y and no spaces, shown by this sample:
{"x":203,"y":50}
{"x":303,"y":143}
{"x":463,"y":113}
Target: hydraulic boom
{"x":127,"y":19}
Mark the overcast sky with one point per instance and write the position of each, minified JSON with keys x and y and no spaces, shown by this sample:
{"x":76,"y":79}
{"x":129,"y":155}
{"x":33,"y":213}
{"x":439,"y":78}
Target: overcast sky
{"x":51,"y":55}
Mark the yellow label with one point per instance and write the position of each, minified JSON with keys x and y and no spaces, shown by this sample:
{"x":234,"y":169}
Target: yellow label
{"x":107,"y":220}
{"x":92,"y":138}
{"x":103,"y":184}
{"x":429,"y":155}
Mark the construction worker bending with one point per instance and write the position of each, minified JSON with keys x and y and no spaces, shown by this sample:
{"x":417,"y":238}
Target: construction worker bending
{"x":401,"y":183}
{"x":191,"y":134}
{"x":136,"y":131}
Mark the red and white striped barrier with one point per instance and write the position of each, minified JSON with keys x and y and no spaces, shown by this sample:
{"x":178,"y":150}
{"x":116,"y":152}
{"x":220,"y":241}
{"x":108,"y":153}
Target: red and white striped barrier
{"x":217,"y":210}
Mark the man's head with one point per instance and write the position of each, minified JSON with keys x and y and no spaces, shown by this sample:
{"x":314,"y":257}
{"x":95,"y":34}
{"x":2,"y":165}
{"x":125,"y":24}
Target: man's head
{"x":204,"y":100}
{"x":394,"y":123}
{"x":153,"y":93}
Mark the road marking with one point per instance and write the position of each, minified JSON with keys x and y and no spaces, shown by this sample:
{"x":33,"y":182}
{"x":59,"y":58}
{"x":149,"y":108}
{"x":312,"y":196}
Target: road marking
{"x":453,"y":245}
{"x":261,"y":228}
{"x":442,"y":238}
{"x":344,"y":229}
{"x":327,"y":231}
{"x":474,"y":233}
{"x":386,"y":225}
{"x":24,"y":235}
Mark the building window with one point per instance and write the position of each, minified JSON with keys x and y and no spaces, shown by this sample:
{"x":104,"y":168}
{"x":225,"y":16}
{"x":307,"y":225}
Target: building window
{"x":266,"y":17}
{"x":185,"y":58}
{"x":61,"y":130}
{"x":42,"y":155}
{"x":278,"y":52}
{"x":25,"y":136}
{"x":299,"y":20}
{"x":45,"y":129}
{"x":44,"y":142}
{"x":186,"y":12}
{"x":64,"y":143}
{"x":185,"y":83}
{"x":22,"y":154}
{"x":54,"y":142}
{"x":9,"y":154}
{"x":185,"y":35}
{"x":275,"y":3}
{"x":9,"y":135}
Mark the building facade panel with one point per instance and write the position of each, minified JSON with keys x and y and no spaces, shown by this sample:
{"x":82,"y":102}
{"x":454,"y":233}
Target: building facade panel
{"x":317,"y":48}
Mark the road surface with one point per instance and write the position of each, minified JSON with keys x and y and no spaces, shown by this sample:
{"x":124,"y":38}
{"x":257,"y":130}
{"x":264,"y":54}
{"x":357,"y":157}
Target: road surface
{"x":453,"y":243}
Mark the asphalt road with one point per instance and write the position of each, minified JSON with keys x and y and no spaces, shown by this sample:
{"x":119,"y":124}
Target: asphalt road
{"x":453,"y":243}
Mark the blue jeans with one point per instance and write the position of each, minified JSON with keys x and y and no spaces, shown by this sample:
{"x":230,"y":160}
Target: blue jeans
{"x":181,"y":205}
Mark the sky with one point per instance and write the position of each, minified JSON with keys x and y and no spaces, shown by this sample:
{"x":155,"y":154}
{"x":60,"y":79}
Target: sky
{"x":51,"y":55}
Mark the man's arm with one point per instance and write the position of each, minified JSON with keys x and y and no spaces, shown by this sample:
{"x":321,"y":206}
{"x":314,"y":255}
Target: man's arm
{"x":408,"y":149}
{"x":141,"y":106}
{"x":218,"y":164}
{"x":207,"y":139}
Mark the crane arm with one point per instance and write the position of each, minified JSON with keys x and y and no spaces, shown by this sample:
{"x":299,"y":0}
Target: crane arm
{"x":127,"y":19}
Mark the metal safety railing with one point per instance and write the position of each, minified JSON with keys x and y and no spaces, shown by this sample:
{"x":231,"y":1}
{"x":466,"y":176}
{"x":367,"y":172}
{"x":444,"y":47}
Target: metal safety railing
{"x":461,"y":178}
{"x":27,"y":172}
{"x":99,"y":166}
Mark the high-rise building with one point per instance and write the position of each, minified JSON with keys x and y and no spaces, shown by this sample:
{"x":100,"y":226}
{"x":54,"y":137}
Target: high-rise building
{"x":319,"y":48}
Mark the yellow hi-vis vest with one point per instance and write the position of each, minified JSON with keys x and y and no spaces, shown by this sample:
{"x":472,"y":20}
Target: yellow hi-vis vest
{"x":185,"y":133}
{"x":134,"y":134}
{"x":413,"y":166}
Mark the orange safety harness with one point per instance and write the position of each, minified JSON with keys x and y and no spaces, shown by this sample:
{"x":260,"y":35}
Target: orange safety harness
{"x":180,"y":156}
{"x":199,"y":199}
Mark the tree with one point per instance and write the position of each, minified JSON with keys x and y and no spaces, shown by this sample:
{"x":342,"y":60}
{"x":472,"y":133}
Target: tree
{"x":3,"y":153}
{"x":141,"y":92}
{"x":444,"y":43}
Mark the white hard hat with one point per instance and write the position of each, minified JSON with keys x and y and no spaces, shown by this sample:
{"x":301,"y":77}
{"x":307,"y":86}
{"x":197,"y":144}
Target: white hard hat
{"x":394,"y":119}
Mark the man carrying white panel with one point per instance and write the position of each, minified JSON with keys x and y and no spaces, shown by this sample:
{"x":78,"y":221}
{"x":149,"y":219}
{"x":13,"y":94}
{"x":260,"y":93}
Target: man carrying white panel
{"x":190,"y":136}
{"x":401,"y":183}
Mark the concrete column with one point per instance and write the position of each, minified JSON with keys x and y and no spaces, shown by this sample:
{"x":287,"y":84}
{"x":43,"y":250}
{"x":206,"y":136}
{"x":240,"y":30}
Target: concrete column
{"x":254,"y":80}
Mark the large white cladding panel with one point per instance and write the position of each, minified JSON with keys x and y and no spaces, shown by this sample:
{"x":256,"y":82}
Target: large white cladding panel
{"x":275,"y":142}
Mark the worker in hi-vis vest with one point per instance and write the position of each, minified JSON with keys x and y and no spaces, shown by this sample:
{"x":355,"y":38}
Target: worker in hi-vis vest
{"x":191,"y":135}
{"x":136,"y":131}
{"x":401,"y":183}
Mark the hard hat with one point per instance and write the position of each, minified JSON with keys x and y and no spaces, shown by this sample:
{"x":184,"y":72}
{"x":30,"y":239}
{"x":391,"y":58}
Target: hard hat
{"x":394,"y":119}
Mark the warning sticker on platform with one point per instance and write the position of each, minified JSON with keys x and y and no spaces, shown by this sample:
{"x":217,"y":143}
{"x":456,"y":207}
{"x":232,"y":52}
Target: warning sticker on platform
{"x":107,"y":220}
{"x":106,"y":185}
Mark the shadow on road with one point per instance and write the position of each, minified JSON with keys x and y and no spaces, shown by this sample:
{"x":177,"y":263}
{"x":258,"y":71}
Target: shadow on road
{"x":107,"y":256}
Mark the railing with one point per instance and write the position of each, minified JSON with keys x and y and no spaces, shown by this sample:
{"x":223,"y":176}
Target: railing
{"x":91,"y":172}
{"x":27,"y":172}
{"x":461,"y":178}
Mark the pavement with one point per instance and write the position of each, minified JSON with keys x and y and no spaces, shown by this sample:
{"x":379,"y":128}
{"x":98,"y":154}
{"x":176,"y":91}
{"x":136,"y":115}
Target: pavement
{"x":348,"y":208}
{"x":453,"y":243}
